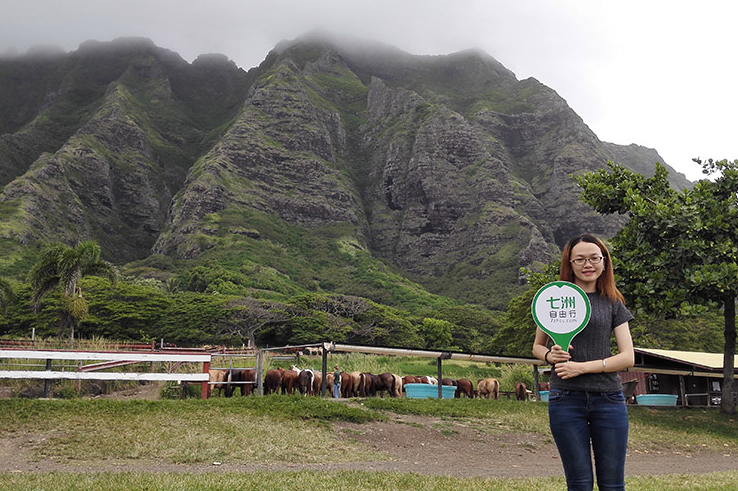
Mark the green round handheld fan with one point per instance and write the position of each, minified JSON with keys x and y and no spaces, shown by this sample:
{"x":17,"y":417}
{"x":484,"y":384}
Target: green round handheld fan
{"x":561,"y":309}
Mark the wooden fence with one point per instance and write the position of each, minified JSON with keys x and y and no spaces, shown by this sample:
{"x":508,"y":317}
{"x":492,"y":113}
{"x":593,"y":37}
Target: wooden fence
{"x":107,"y":360}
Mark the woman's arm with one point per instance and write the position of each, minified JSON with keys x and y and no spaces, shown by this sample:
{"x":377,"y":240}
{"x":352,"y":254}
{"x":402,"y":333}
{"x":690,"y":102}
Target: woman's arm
{"x":624,"y":359}
{"x":540,"y":351}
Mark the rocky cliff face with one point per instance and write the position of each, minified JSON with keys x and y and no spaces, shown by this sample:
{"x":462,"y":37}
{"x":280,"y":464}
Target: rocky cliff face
{"x":281,"y":156}
{"x":122,"y":148}
{"x":447,"y":168}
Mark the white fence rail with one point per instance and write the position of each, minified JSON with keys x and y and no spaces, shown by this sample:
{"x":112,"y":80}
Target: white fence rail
{"x":117,"y":356}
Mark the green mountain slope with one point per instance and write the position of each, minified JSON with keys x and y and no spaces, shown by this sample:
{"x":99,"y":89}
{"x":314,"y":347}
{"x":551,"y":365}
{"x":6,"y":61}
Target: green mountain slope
{"x":335,"y":166}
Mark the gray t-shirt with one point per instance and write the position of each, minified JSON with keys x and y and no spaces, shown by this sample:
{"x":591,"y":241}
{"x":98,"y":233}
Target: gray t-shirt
{"x":593,"y":343}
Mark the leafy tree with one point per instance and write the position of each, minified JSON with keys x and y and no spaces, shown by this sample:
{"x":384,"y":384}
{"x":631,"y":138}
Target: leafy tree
{"x":347,"y":306}
{"x":385,"y":326}
{"x":518,"y":331}
{"x":193,"y":318}
{"x":62,"y":267}
{"x":437,"y":334}
{"x":679,"y":249}
{"x":6,"y":294}
{"x":308,"y":327}
{"x":130,"y":311}
{"x":317,"y":317}
{"x":247,"y":316}
{"x":20,"y":319}
{"x":202,"y":278}
{"x":472,"y":328}
{"x":702,"y":331}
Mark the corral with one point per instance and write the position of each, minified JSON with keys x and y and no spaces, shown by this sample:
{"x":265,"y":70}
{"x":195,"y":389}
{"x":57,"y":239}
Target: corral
{"x":694,"y":377}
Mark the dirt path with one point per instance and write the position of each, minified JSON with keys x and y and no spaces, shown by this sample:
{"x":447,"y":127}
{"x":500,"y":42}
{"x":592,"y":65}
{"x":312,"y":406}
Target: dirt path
{"x":416,"y":445}
{"x":412,"y":444}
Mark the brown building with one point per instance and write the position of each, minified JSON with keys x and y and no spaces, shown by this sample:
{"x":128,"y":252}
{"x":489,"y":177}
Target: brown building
{"x":695,"y":378}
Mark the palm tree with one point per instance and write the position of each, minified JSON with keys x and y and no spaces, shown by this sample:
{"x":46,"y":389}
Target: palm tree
{"x":62,"y":267}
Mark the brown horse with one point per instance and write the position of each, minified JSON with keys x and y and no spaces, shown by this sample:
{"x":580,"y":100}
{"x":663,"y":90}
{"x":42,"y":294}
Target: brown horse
{"x":410,"y":379}
{"x":329,"y":383}
{"x":385,"y":382}
{"x":465,"y":387}
{"x":235,"y":378}
{"x":289,"y":381}
{"x":317,"y":382}
{"x":488,"y":387}
{"x":245,"y":378}
{"x":521,"y":391}
{"x":272,"y":381}
{"x":368,"y":388}
{"x":347,"y":384}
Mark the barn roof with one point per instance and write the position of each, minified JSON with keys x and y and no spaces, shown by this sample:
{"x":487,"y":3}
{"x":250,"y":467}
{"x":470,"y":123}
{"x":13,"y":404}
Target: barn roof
{"x":709,"y":361}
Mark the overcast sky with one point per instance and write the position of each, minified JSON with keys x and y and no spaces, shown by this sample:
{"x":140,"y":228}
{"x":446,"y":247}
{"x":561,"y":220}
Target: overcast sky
{"x":662,"y":74}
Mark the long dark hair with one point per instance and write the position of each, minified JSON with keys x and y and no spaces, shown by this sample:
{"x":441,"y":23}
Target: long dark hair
{"x":606,"y":282}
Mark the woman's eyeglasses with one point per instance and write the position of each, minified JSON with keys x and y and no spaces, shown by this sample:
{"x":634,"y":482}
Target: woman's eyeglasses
{"x":592,"y":260}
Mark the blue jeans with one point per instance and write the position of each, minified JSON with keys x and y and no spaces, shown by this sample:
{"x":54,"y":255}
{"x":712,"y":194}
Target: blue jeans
{"x":579,"y":419}
{"x":337,"y":390}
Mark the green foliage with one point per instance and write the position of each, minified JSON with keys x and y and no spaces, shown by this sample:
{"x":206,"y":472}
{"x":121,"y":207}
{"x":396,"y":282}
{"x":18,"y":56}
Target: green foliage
{"x":213,"y":278}
{"x":512,"y":374}
{"x":17,"y":259}
{"x":678,"y":250}
{"x":701,"y":332}
{"x":437,"y":334}
{"x":515,"y":338}
{"x":7,"y":295}
{"x":343,"y":319}
{"x":20,"y":318}
{"x":174,"y":390}
{"x":384,"y":326}
{"x":472,"y":327}
{"x":127,"y":312}
{"x":190,"y":318}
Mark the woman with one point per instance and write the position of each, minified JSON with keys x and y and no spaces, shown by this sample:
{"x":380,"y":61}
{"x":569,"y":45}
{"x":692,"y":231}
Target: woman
{"x":587,"y":409}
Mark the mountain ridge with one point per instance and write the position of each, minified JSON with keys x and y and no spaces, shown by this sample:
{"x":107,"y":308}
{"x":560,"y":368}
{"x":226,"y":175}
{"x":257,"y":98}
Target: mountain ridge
{"x":446,"y":169}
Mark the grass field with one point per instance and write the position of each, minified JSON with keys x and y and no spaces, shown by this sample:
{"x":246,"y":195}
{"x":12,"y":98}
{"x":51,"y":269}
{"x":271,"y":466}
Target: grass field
{"x":256,"y":429}
{"x":338,"y":481}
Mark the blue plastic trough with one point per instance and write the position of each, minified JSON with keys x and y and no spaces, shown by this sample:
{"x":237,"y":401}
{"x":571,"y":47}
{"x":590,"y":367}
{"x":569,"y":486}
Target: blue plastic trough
{"x":656,"y":399}
{"x":425,"y":391}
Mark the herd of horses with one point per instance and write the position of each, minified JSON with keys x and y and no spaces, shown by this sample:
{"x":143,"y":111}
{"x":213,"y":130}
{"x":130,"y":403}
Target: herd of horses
{"x":309,"y":382}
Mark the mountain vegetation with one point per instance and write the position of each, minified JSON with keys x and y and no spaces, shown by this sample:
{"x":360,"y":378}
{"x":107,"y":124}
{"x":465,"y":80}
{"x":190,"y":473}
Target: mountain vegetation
{"x":341,"y":190}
